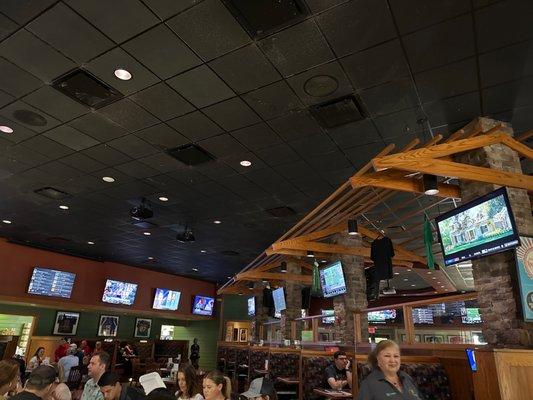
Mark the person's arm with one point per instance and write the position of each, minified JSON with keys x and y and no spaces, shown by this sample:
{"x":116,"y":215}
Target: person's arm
{"x":333,"y":383}
{"x":349,"y":377}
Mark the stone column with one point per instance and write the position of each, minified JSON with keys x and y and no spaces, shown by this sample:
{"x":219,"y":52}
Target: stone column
{"x":355,"y":297}
{"x":293,"y":299}
{"x":498,"y":296}
{"x":261,"y":313}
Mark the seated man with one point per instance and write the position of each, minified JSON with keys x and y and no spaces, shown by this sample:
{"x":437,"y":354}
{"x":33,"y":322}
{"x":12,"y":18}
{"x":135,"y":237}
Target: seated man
{"x":338,"y":375}
{"x":112,"y":389}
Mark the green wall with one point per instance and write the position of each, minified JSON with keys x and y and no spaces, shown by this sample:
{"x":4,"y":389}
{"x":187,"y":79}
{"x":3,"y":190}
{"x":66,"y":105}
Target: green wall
{"x":13,"y":321}
{"x":236,"y":308}
{"x":206,"y":332}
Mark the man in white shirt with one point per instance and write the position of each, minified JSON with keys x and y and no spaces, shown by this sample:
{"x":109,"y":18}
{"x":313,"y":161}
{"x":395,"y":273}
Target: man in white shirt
{"x":97,"y":366}
{"x":67,"y":362}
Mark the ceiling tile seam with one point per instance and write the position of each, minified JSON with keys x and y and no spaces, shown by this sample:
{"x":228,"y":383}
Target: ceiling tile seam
{"x":478,"y":63}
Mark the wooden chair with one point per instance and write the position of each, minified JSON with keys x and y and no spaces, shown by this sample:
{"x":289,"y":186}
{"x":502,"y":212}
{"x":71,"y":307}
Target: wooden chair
{"x":74,"y":378}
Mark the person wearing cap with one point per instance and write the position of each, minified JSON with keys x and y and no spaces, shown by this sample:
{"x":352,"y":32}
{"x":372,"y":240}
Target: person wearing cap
{"x":67,"y":362}
{"x":39,"y":385}
{"x":97,"y":366}
{"x":261,"y":388}
{"x":112,"y":389}
{"x":61,"y":350}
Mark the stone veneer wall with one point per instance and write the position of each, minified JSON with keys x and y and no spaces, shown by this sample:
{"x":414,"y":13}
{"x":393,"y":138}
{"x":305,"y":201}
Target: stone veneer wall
{"x":293,"y":299}
{"x":497,"y":294}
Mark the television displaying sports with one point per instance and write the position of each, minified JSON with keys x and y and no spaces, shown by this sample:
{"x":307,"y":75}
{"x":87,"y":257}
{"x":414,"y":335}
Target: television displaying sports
{"x":381,"y":316}
{"x":422,"y":316}
{"x":279,"y":299}
{"x":479,"y":228}
{"x":332,"y":280}
{"x":471,"y":316}
{"x":251,"y":306}
{"x":166,"y":299}
{"x":203,"y":305}
{"x":51,"y":282}
{"x":117,"y":292}
{"x":329,"y":316}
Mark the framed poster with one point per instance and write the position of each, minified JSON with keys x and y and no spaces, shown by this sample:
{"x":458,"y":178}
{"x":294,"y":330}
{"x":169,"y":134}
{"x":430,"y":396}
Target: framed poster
{"x":235,"y":334}
{"x":454,"y":339}
{"x":108,"y":326}
{"x":433,"y":338}
{"x":66,"y":323}
{"x":243,"y":335}
{"x":142,"y":328}
{"x":524,"y":265}
{"x":404,"y":338}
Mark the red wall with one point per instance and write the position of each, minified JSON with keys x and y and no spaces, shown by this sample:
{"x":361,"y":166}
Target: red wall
{"x":17,"y":263}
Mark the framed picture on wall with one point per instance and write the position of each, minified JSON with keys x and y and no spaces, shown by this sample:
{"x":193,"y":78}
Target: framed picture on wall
{"x":143,"y":326}
{"x":433,"y":338}
{"x":108,"y":326}
{"x":454,"y":339}
{"x":243,"y":335}
{"x":66,"y":323}
{"x":404,"y":338}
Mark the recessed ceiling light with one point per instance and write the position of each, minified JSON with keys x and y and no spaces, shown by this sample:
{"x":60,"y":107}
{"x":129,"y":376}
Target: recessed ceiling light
{"x":216,"y":221}
{"x":405,"y":279}
{"x":203,"y":251}
{"x":150,"y":258}
{"x":245,"y":163}
{"x":396,"y":273}
{"x":63,"y":207}
{"x":6,"y":129}
{"x":434,"y":278}
{"x":163,"y":198}
{"x":146,"y":233}
{"x":438,"y":281}
{"x":429,"y":272}
{"x":408,"y":270}
{"x":6,"y":221}
{"x":442,"y":286}
{"x":229,"y":277}
{"x":122,"y":74}
{"x":195,"y":269}
{"x":108,"y":179}
{"x":413,"y":285}
{"x":90,"y":242}
{"x":240,"y":294}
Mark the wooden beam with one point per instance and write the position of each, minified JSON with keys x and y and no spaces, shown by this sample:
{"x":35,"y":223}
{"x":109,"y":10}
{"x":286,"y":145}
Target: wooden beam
{"x":258,"y":276}
{"x":467,"y":172}
{"x":525,"y":136}
{"x":520,"y":148}
{"x":454,"y":136}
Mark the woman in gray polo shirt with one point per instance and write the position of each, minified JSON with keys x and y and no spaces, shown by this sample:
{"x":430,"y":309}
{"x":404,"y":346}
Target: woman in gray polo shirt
{"x":386,"y":381}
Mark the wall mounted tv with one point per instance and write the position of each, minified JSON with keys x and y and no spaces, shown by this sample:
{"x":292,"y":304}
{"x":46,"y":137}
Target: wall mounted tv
{"x":329,"y":316}
{"x":166,"y":299}
{"x":117,"y":292}
{"x":382,"y":316}
{"x":203,"y":305}
{"x":51,"y":282}
{"x":471,"y":316}
{"x":251,"y":306}
{"x":279,"y":299}
{"x":332,"y":280}
{"x":478,"y":228}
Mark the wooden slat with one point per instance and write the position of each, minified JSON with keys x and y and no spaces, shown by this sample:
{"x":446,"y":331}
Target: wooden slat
{"x":454,"y":136}
{"x":520,"y":148}
{"x":287,"y":277}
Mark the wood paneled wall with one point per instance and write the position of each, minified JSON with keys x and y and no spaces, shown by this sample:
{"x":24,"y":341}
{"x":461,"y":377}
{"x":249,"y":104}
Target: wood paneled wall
{"x":515,"y":373}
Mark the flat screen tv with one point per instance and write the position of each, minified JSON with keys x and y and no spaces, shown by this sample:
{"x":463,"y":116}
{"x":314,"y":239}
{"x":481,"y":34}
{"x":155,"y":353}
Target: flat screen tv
{"x":329,"y":316}
{"x":422,"y":316}
{"x":117,"y":292}
{"x":251,"y":306}
{"x":478,"y":228}
{"x":166,"y":299}
{"x":51,"y":282}
{"x":279,"y":299}
{"x":381,"y":316}
{"x":203,"y":305}
{"x":471,"y":316}
{"x":332,"y":280}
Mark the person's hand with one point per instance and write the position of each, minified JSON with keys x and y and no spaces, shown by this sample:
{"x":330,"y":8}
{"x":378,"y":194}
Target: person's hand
{"x":348,"y":365}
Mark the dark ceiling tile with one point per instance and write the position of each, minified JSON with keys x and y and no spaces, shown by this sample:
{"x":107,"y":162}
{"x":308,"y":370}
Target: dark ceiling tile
{"x":320,"y":84}
{"x":222,"y":146}
{"x":313,"y":146}
{"x":22,"y":11}
{"x":106,"y":155}
{"x":120,"y":177}
{"x":234,"y":161}
{"x":297,"y":48}
{"x":25,"y":155}
{"x":277,"y":155}
{"x":35,"y":56}
{"x":355,"y":134}
{"x":329,"y":162}
{"x":161,"y":162}
{"x":215,"y":170}
{"x":119,"y":19}
{"x":231,"y":114}
{"x":133,"y":146}
{"x":257,"y":136}
{"x":440,"y":44}
{"x":47,"y":147}
{"x":508,"y":96}
{"x":321,"y":5}
{"x":195,"y":126}
{"x":271,"y":181}
{"x":411,"y":15}
{"x":295,"y":125}
{"x":58,"y":170}
{"x":55,"y":103}
{"x":402,"y":122}
{"x":450,"y":80}
{"x":245,"y":69}
{"x":390,"y":97}
{"x":347,"y":27}
{"x":129,"y":115}
{"x":70,"y":137}
{"x":69,"y":33}
{"x":98,"y":127}
{"x":209,"y":29}
{"x":201,"y":87}
{"x":296,"y":171}
{"x":273,"y":100}
{"x":506,"y":64}
{"x":376,"y":65}
{"x":454,"y":109}
{"x":339,"y":176}
{"x":82,"y":162}
{"x":169,"y":57}
{"x":162,"y":101}
{"x":6,"y":27}
{"x":188,"y":176}
{"x":5,"y":98}
{"x":167,"y":8}
{"x":105,"y":65}
{"x":15,"y":80}
{"x":162,"y":137}
{"x":512,"y":18}
{"x":29,"y":117}
{"x":360,"y":155}
{"x":20,"y":132}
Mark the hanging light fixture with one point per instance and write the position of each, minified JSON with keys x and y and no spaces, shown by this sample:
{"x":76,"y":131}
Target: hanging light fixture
{"x":352,"y":227}
{"x":430,"y":184}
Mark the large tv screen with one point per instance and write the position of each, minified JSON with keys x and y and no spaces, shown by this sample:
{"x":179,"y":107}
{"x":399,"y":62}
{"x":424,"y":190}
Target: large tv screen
{"x":279,"y":299}
{"x":381,"y":316}
{"x":422,"y":316}
{"x":166,"y":299}
{"x":203,"y":305}
{"x":329,"y":316}
{"x":117,"y":292}
{"x":251,"y":306}
{"x":332,"y":280}
{"x":51,"y":282}
{"x":471,"y":316}
{"x":479,"y":228}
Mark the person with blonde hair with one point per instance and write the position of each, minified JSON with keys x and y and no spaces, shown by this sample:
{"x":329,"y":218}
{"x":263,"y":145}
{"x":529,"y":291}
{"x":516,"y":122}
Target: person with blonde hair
{"x":386,"y":381}
{"x":216,"y":386}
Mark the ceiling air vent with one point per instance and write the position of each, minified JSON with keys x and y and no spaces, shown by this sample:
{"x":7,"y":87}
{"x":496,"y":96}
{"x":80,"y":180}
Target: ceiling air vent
{"x":280,"y":212}
{"x":86,"y":89}
{"x":191,"y":154}
{"x":51,"y":193}
{"x":260,"y":17}
{"x":337,"y":112}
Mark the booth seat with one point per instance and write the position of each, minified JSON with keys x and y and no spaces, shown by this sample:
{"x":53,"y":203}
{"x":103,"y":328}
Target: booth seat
{"x":313,"y":375}
{"x":257,"y":362}
{"x":284,"y":365}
